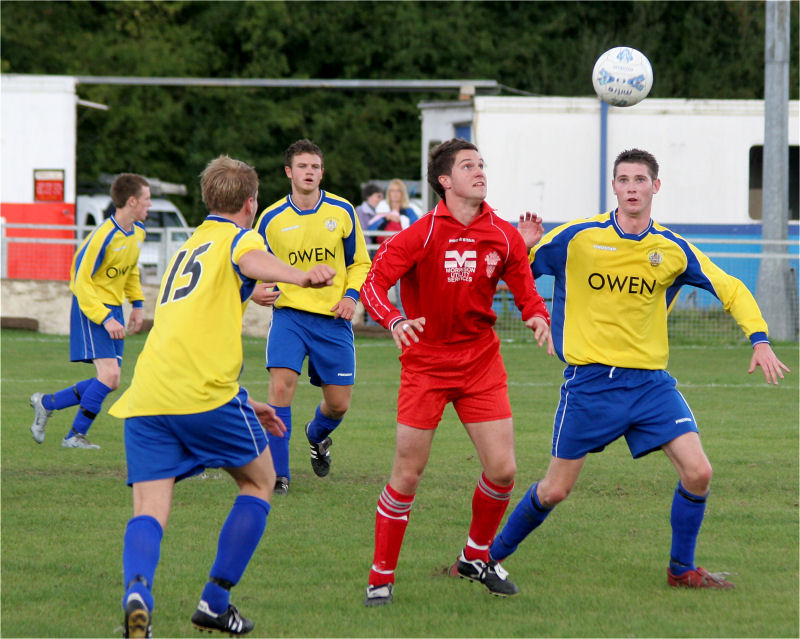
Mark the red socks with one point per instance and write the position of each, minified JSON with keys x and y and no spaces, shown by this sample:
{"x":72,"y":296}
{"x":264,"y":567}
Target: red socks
{"x":391,"y":520}
{"x":489,"y":504}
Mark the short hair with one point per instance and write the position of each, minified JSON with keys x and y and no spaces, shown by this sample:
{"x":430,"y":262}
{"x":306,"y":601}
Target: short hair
{"x":404,"y":201}
{"x":441,"y":160}
{"x":369,"y":190}
{"x":126,"y":185}
{"x":227,"y":184}
{"x":302,"y":146}
{"x":639,"y":157}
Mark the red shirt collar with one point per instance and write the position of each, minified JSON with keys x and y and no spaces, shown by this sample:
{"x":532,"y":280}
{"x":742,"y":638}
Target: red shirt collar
{"x":441,"y":209}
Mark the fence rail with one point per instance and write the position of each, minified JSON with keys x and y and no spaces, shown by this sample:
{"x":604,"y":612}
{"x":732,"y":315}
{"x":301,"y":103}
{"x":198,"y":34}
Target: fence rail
{"x":44,"y":251}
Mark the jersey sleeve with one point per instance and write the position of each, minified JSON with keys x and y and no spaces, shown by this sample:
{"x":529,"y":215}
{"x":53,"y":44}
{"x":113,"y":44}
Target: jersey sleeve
{"x":391,"y":262}
{"x":356,"y":258}
{"x":736,"y":298}
{"x":133,"y":283}
{"x":549,"y":256}
{"x":87,"y":261}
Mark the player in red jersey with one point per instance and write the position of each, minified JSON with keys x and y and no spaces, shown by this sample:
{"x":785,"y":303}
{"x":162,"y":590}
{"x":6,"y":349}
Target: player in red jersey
{"x":449,"y":264}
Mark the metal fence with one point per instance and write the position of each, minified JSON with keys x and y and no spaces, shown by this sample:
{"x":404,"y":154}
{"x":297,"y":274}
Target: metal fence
{"x":36,"y":251}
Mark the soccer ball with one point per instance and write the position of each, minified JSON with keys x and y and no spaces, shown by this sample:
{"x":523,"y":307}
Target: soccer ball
{"x":622,"y":76}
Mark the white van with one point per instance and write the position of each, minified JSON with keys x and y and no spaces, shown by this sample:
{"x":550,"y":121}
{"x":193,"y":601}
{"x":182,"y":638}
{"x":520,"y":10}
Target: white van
{"x":166,"y":230}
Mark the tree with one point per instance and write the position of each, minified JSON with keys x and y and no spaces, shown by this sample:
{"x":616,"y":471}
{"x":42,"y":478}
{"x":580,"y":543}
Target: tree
{"x":698,"y":50}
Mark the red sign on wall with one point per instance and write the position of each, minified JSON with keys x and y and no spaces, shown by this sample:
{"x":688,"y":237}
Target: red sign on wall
{"x":48,"y":185}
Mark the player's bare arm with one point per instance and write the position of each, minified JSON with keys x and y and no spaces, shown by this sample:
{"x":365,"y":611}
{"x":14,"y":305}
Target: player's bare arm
{"x":345,"y":308}
{"x":530,"y":228}
{"x":765,"y":357}
{"x":135,"y":321}
{"x":114,"y":328}
{"x":405,"y":331}
{"x":260,"y":265}
{"x":264,"y":294}
{"x":267,"y":417}
{"x":541,"y":332}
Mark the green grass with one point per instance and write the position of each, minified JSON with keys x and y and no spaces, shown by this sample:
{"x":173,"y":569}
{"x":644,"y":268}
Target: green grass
{"x":596,"y":568}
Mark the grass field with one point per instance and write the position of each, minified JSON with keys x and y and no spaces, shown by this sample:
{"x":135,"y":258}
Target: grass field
{"x":595,"y":569}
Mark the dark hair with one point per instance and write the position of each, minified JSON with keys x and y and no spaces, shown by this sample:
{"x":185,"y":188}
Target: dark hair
{"x":639,"y":157}
{"x":302,"y":146}
{"x":441,"y":160}
{"x":369,"y":190}
{"x":126,"y":185}
{"x":226,"y":184}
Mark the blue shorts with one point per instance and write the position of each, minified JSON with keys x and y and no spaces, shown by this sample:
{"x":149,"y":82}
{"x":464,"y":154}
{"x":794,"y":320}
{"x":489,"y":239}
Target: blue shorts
{"x":180,"y":446}
{"x":601,"y":403}
{"x":326,"y":341}
{"x":89,"y":341}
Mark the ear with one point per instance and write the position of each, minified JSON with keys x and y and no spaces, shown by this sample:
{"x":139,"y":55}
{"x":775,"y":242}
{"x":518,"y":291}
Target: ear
{"x":656,"y":186}
{"x":445,"y":181}
{"x":288,"y":171}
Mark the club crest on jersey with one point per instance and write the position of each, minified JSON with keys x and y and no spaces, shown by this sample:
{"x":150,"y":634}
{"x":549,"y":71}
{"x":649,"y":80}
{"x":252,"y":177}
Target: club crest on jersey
{"x":655,"y":258}
{"x":460,"y":266}
{"x":330,"y":224}
{"x":492,"y":260}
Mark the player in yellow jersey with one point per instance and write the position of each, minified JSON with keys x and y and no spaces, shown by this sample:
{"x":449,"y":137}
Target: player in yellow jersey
{"x":616,"y":276}
{"x":311,"y":226}
{"x":104,"y":273}
{"x":185,"y":411}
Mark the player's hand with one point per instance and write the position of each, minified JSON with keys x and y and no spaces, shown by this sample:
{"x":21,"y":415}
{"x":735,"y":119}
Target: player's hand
{"x":264,"y":294}
{"x":114,"y":328}
{"x":318,"y":277}
{"x":541,"y":332}
{"x":764,"y":357}
{"x":530,"y":228}
{"x":345,"y":308}
{"x":266,"y":416}
{"x":405,"y":332}
{"x":135,"y":321}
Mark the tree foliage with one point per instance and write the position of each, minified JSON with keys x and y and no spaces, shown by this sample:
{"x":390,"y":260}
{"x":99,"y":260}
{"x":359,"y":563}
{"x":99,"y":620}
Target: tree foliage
{"x":698,"y":50}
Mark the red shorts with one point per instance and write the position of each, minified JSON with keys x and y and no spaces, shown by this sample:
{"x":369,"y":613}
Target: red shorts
{"x":473,"y":378}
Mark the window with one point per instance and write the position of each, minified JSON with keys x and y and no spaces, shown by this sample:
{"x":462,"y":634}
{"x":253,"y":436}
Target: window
{"x":756,"y":182}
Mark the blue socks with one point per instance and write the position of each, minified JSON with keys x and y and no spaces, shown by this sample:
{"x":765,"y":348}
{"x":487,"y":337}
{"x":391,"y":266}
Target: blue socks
{"x":238,"y":540}
{"x":528,"y":515}
{"x":91,"y":403}
{"x":686,"y":518}
{"x":70,"y":396}
{"x":279,"y":446}
{"x":321,"y":426}
{"x":141,"y":550}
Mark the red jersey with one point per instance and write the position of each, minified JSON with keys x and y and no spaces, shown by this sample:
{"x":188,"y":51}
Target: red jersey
{"x":449,"y":273}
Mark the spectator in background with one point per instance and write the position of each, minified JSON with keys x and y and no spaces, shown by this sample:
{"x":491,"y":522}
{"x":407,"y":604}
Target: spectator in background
{"x":365,"y":211}
{"x":394,"y":213}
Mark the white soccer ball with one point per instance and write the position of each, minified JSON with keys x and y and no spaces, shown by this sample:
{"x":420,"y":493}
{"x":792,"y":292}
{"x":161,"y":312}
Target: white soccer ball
{"x":622,"y":76}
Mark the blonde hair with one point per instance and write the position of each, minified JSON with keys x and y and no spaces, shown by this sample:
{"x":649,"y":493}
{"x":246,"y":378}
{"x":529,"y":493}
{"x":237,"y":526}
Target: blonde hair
{"x":405,"y":203}
{"x":227,"y":184}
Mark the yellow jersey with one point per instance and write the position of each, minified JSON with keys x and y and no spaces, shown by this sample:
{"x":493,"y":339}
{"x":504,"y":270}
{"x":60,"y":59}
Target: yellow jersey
{"x":192,"y":359}
{"x":327,"y":234}
{"x":105,"y":269}
{"x":613,"y":291}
